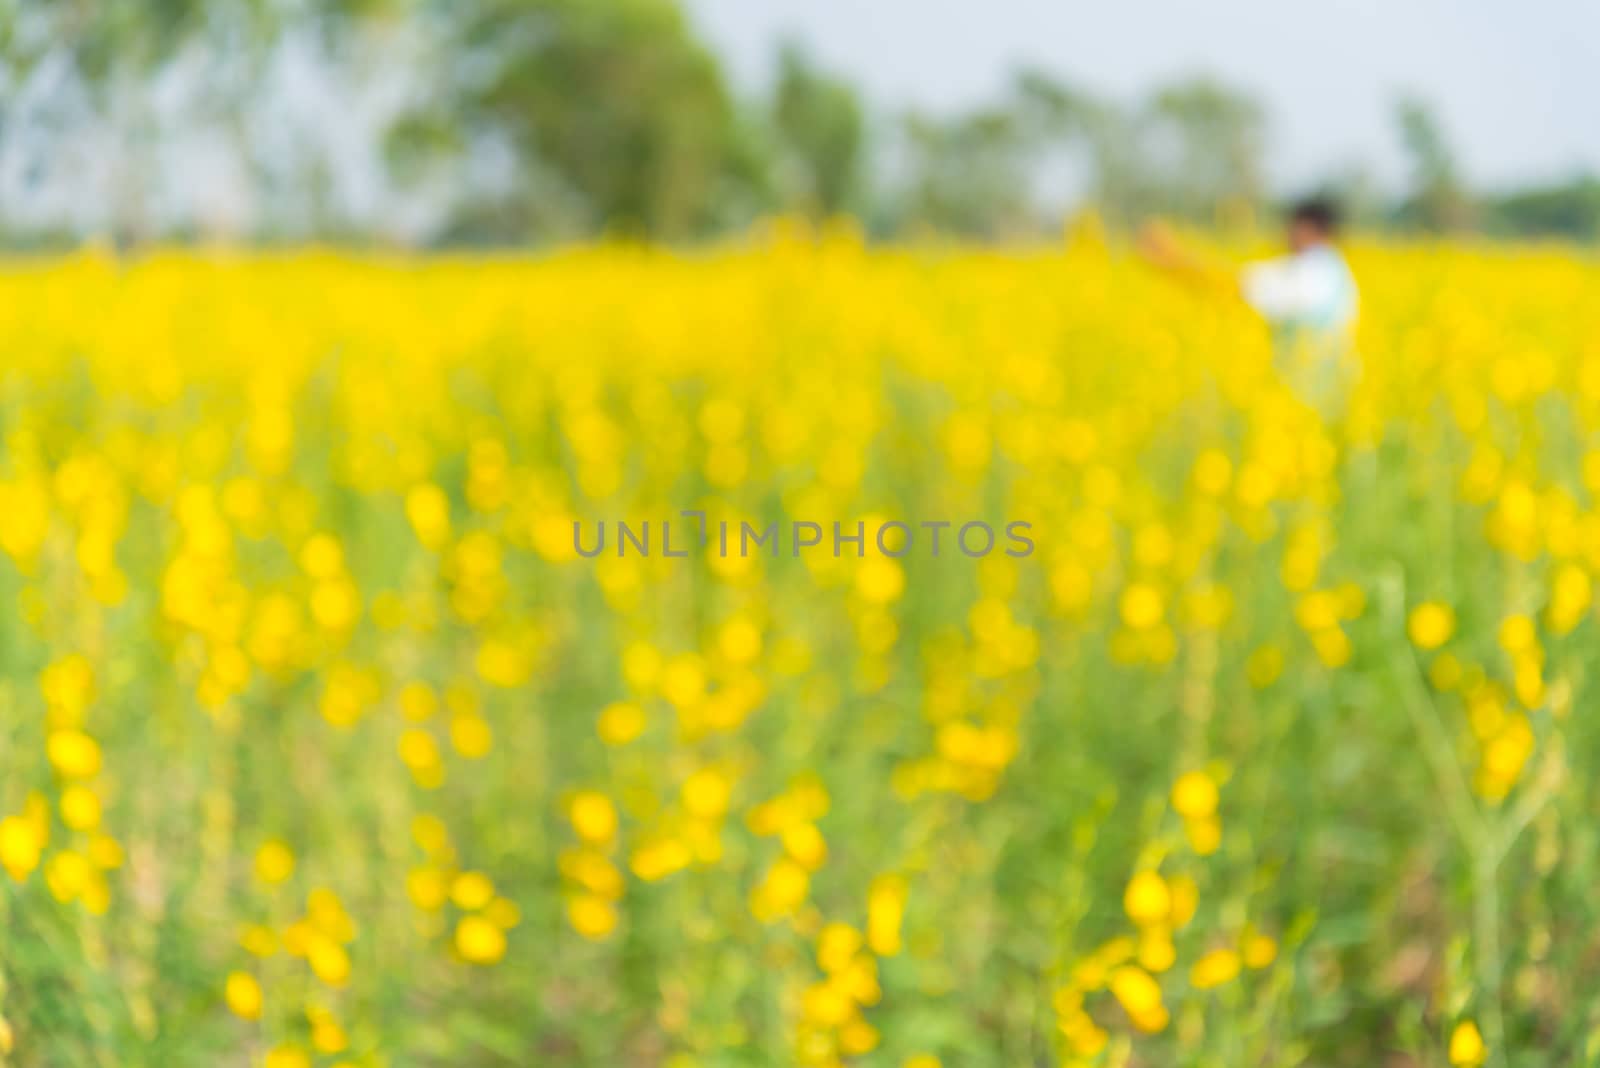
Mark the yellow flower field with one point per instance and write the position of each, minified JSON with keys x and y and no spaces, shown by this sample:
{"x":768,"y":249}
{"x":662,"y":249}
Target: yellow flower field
{"x":326,"y":742}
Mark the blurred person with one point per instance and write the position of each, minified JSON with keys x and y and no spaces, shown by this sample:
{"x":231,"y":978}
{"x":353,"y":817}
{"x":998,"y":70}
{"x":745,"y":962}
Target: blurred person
{"x":1308,"y":296}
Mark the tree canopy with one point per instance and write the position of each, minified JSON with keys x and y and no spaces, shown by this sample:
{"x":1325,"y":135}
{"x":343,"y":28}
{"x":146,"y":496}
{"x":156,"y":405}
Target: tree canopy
{"x":510,"y":121}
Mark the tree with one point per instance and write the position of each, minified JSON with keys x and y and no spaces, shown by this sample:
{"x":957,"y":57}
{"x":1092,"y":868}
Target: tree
{"x":610,"y":108}
{"x":1209,"y":137}
{"x":1096,"y":133}
{"x":101,"y":63}
{"x":818,"y":124}
{"x":1569,"y":209}
{"x":1438,"y":201}
{"x":969,"y":174}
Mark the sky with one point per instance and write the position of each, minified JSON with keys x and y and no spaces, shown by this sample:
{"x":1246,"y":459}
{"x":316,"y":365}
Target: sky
{"x":1515,"y":86}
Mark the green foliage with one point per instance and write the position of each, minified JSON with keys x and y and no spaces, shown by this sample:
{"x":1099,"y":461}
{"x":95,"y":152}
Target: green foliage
{"x":610,"y":104}
{"x":1217,"y":132}
{"x":541,"y":120}
{"x":1570,"y":209}
{"x":1064,"y":119}
{"x":969,"y":175}
{"x":1438,"y":201}
{"x":818,"y":122}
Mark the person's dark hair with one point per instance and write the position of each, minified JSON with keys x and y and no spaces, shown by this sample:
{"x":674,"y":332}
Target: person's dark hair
{"x":1319,"y":211}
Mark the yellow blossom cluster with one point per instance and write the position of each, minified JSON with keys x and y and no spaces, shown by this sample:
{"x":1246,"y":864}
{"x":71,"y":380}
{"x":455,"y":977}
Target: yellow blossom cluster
{"x":328,"y":743}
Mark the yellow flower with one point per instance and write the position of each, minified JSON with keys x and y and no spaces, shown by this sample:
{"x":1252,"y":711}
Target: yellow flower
{"x":886,"y":903}
{"x":471,"y":736}
{"x":683,"y":680}
{"x":69,"y":875}
{"x":326,"y":1034}
{"x":258,"y":940}
{"x":1194,"y":795}
{"x":328,"y":959}
{"x":1212,"y":472}
{"x":857,"y":1037}
{"x":806,"y":845}
{"x":641,"y":666}
{"x":739,"y":640}
{"x":479,"y":941}
{"x":428,"y":509}
{"x":327,"y":915}
{"x":1147,"y":900}
{"x":427,"y":888}
{"x":74,"y":754}
{"x":837,"y":947}
{"x":471,"y":890}
{"x":1086,"y":1037}
{"x":1259,"y":951}
{"x":621,"y":722}
{"x":274,"y":861}
{"x":593,"y":817}
{"x":879,"y":580}
{"x":1156,"y":951}
{"x":1466,"y":1045}
{"x":243,"y":995}
{"x":68,"y":686}
{"x":106,"y":852}
{"x":418,"y":702}
{"x":286,"y":1057}
{"x":322,"y":557}
{"x":430,"y":833}
{"x":504,"y":662}
{"x":418,"y":750}
{"x":1215,"y":968}
{"x":1518,"y":633}
{"x":658,"y":859}
{"x":592,"y":916}
{"x":1142,"y":606}
{"x":20,"y":846}
{"x":1431,"y":624}
{"x":826,"y":1003}
{"x":783,"y":890}
{"x":1571,"y":593}
{"x":335,"y":604}
{"x":705,"y":794}
{"x":1140,"y":997}
{"x":502,"y":913}
{"x":1204,"y":835}
{"x":592,"y":870}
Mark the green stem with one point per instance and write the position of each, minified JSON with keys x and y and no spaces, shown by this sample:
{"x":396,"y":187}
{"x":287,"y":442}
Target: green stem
{"x":1484,"y":843}
{"x":1486,"y":927}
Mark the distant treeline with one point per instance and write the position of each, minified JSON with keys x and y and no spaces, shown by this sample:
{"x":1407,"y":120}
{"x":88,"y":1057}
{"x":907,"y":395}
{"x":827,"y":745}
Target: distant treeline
{"x":515,"y":121}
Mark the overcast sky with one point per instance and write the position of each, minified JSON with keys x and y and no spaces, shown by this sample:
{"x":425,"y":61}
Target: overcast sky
{"x":1516,"y":85}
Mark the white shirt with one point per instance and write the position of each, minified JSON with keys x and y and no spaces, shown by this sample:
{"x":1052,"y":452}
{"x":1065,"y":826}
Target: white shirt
{"x":1313,"y":289}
